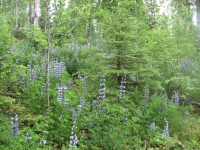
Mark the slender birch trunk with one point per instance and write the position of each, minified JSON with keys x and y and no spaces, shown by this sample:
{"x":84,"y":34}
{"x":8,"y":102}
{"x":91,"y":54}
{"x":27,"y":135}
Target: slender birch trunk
{"x":16,"y":14}
{"x":47,"y":56}
{"x":36,"y":12}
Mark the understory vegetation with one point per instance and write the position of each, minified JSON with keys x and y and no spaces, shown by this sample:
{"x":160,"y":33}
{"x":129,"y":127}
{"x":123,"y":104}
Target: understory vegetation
{"x":99,"y":75}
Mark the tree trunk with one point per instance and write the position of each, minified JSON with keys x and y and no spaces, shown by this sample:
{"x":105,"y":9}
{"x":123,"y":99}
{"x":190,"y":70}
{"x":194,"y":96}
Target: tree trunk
{"x":30,"y":13}
{"x":48,"y":53}
{"x":16,"y":14}
{"x":36,"y":12}
{"x":198,"y":12}
{"x":198,"y":23}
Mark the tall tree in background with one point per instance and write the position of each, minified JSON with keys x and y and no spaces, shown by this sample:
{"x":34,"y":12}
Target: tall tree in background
{"x":152,"y":11}
{"x":198,"y":11}
{"x":36,"y":12}
{"x":123,"y":26}
{"x":14,"y":12}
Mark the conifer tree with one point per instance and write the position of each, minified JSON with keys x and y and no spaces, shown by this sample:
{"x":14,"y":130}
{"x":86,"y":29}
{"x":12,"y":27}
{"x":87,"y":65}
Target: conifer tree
{"x":123,"y":37}
{"x":8,"y":68}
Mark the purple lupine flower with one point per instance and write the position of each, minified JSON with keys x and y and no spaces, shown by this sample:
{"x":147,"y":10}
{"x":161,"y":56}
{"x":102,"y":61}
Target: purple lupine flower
{"x":61,"y":90}
{"x":176,"y":98}
{"x":26,"y":134}
{"x":43,"y":142}
{"x":166,"y":129}
{"x":80,"y":106}
{"x":74,"y":116}
{"x":73,"y":142}
{"x":124,"y":118}
{"x":186,"y":112}
{"x":62,"y":67}
{"x":15,"y":127}
{"x":122,"y":88}
{"x":33,"y":76}
{"x":102,"y":88}
{"x":146,"y":95}
{"x":82,"y":101}
{"x":73,"y":138}
{"x":59,"y":94}
{"x":69,"y":84}
{"x":28,"y":137}
{"x":152,"y":126}
{"x":58,"y":68}
{"x":126,"y":110}
{"x":11,"y":49}
{"x":95,"y":104}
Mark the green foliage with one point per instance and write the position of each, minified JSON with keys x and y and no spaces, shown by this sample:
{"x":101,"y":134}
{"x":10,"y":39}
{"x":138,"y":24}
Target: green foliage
{"x":115,"y":39}
{"x":36,"y":38}
{"x":6,"y":101}
{"x":59,"y":126}
{"x":20,"y":141}
{"x":9,"y":72}
{"x":33,"y":98}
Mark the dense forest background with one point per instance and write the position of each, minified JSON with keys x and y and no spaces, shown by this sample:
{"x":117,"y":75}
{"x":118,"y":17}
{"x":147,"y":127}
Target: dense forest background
{"x":99,"y":74}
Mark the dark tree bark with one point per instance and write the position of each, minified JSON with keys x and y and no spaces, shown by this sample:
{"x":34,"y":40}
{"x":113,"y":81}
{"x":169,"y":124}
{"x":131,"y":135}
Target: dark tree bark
{"x":198,"y":12}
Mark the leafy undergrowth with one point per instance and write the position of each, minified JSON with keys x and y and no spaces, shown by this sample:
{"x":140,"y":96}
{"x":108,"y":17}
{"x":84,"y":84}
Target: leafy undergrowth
{"x":103,"y":129}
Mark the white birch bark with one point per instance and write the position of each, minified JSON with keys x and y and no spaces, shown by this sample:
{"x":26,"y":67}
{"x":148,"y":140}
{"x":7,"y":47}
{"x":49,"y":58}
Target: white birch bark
{"x":36,"y":12}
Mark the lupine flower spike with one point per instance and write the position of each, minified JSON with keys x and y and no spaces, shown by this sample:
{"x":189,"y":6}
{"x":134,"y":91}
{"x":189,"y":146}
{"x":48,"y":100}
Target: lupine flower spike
{"x":176,"y":98}
{"x":44,"y":142}
{"x":85,"y":88}
{"x":58,"y":68}
{"x":73,"y":138}
{"x":152,"y":126}
{"x":102,"y":88}
{"x":146,"y":96}
{"x":166,"y":129}
{"x":61,"y":90}
{"x":125,"y":118}
{"x":122,"y":88}
{"x":15,"y":125}
{"x":186,"y":112}
{"x":28,"y":137}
